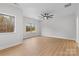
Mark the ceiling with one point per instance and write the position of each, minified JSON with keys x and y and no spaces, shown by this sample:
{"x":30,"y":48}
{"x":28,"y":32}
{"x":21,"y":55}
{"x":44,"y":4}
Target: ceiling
{"x":33,"y":10}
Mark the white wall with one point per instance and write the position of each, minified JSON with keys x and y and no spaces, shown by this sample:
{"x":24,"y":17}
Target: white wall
{"x":61,"y":27}
{"x":10,"y":39}
{"x":36,"y":23}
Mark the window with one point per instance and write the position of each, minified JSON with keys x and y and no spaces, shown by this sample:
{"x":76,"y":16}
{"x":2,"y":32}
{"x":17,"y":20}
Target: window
{"x":30,"y":27}
{"x":6,"y":23}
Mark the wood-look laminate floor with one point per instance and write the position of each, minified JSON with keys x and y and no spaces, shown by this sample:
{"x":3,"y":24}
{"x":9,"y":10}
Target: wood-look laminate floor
{"x":43,"y":46}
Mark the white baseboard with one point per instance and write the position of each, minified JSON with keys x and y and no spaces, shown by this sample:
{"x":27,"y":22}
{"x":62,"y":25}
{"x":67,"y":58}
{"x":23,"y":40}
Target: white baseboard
{"x":12,"y":45}
{"x":59,"y":37}
{"x":31,"y":36}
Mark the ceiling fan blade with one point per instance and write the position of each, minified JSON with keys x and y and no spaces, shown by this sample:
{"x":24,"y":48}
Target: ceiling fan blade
{"x":42,"y":15}
{"x":51,"y":15}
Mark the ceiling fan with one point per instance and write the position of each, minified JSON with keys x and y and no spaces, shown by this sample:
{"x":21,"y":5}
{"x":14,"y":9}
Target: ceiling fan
{"x":45,"y":15}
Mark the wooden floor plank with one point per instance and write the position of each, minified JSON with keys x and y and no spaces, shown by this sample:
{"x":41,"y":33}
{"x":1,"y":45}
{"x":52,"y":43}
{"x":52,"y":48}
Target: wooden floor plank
{"x":43,"y":46}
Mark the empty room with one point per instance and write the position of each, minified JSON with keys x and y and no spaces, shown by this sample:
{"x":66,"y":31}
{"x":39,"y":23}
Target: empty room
{"x":39,"y":29}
